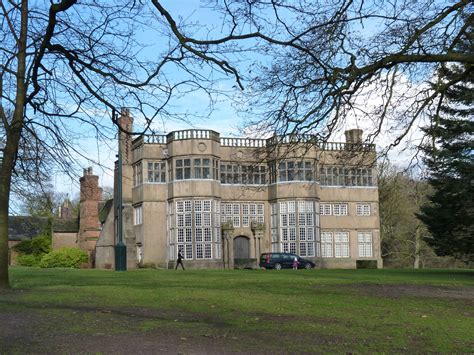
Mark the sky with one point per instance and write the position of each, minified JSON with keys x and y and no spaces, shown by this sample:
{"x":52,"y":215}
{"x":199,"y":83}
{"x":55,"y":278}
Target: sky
{"x":224,"y":118}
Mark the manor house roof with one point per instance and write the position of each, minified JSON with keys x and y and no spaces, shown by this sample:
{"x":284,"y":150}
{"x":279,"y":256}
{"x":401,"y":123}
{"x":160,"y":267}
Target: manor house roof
{"x":25,"y":227}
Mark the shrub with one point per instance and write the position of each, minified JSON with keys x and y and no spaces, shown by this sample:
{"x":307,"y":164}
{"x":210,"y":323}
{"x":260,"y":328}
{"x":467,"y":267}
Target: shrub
{"x":28,"y":260}
{"x":37,"y":246}
{"x":64,"y":257}
{"x":148,"y":266}
{"x":366,"y":264}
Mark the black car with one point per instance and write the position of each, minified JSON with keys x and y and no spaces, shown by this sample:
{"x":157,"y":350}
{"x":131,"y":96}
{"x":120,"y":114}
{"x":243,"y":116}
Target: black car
{"x":284,"y":261}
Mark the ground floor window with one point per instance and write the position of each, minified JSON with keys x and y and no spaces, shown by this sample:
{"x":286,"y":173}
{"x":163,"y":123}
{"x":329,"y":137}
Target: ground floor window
{"x":294,"y":227}
{"x":341,"y":244}
{"x":194,"y":229}
{"x":137,"y":215}
{"x":326,"y":245}
{"x":364,"y":240}
{"x":335,"y":244}
{"x":242,"y":214}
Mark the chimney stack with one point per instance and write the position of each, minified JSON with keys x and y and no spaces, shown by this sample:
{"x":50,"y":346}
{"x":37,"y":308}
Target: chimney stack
{"x":354,"y":135}
{"x":126,"y":123}
{"x":89,"y":224}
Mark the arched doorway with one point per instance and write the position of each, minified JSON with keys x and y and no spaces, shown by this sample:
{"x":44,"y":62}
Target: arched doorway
{"x":241,"y":247}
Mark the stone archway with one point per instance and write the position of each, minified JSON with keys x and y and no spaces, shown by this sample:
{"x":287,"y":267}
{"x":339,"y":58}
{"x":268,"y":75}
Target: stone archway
{"x":241,"y":247}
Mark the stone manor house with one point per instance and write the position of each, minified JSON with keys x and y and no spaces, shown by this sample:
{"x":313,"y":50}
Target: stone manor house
{"x":224,"y":201}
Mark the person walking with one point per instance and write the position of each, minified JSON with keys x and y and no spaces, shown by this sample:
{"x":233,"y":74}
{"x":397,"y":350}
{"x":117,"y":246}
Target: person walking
{"x":295,"y":263}
{"x":179,"y":261}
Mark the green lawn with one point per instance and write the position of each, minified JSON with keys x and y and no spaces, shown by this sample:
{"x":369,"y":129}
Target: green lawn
{"x":239,"y":311}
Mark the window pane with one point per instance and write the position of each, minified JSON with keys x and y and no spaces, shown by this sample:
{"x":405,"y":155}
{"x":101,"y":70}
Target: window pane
{"x":187,"y":173}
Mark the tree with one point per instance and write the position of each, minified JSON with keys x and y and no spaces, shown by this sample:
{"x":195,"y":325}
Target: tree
{"x":42,"y":203}
{"x":311,"y":62}
{"x":449,"y":158}
{"x":33,"y":168}
{"x":402,"y":233}
{"x":321,"y":62}
{"x":70,"y":61}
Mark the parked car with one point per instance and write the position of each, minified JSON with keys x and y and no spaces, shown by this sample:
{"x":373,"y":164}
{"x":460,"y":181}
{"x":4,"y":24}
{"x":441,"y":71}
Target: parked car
{"x":284,"y":261}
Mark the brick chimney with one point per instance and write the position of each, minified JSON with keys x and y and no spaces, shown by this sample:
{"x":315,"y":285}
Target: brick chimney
{"x":126,"y":123}
{"x":125,"y":144}
{"x":89,"y":224}
{"x":353,"y":135}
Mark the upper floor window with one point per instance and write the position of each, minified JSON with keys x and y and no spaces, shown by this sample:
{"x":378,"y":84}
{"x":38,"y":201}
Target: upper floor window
{"x":345,"y":176}
{"x":325,"y":209}
{"x":157,"y":171}
{"x":334,"y":209}
{"x":363,"y":209}
{"x":202,"y":168}
{"x":195,"y":168}
{"x":233,"y":173}
{"x":183,"y":169}
{"x":291,"y":171}
{"x":137,"y":174}
{"x":339,"y":209}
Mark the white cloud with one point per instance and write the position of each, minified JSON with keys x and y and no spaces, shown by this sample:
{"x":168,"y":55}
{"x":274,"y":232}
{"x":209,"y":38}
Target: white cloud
{"x":368,"y":108}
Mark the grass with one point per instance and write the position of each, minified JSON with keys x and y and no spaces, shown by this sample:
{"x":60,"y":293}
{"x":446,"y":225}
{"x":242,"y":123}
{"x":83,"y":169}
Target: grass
{"x":243,"y":310}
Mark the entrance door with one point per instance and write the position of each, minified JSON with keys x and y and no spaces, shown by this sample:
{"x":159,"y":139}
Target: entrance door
{"x":241,"y":247}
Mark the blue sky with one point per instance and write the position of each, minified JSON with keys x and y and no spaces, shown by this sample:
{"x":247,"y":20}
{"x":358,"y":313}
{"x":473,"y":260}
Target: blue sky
{"x":223,"y":118}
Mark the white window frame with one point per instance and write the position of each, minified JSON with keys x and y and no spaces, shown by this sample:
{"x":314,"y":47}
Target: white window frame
{"x":296,"y":225}
{"x":327,"y":245}
{"x":197,"y":228}
{"x":341,"y":245}
{"x":137,"y":215}
{"x":365,"y":244}
{"x":335,"y":244}
{"x":325,"y":209}
{"x":137,"y":173}
{"x":363,"y":209}
{"x":156,"y":168}
{"x":340,"y":209}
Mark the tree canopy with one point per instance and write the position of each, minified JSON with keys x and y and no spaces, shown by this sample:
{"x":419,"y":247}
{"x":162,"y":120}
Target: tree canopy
{"x":65,"y":66}
{"x":322,"y":63}
{"x":449,"y":214}
{"x":306,"y":67}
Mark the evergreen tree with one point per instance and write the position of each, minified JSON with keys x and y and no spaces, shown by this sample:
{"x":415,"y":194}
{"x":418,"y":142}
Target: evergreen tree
{"x":449,"y":215}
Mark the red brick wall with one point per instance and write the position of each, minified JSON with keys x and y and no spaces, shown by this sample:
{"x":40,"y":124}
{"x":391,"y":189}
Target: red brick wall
{"x":126,"y":123}
{"x":89,"y":224}
{"x":64,"y":239}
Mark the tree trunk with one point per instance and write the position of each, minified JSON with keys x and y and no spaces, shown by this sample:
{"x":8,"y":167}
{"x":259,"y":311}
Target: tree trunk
{"x":13,"y":133}
{"x":416,"y":264}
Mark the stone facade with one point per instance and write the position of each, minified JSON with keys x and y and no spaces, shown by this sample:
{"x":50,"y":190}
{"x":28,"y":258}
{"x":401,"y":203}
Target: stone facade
{"x":223,"y":201}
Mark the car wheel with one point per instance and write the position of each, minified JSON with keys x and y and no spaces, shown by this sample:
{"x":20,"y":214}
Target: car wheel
{"x":308,"y":266}
{"x":277,"y":266}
